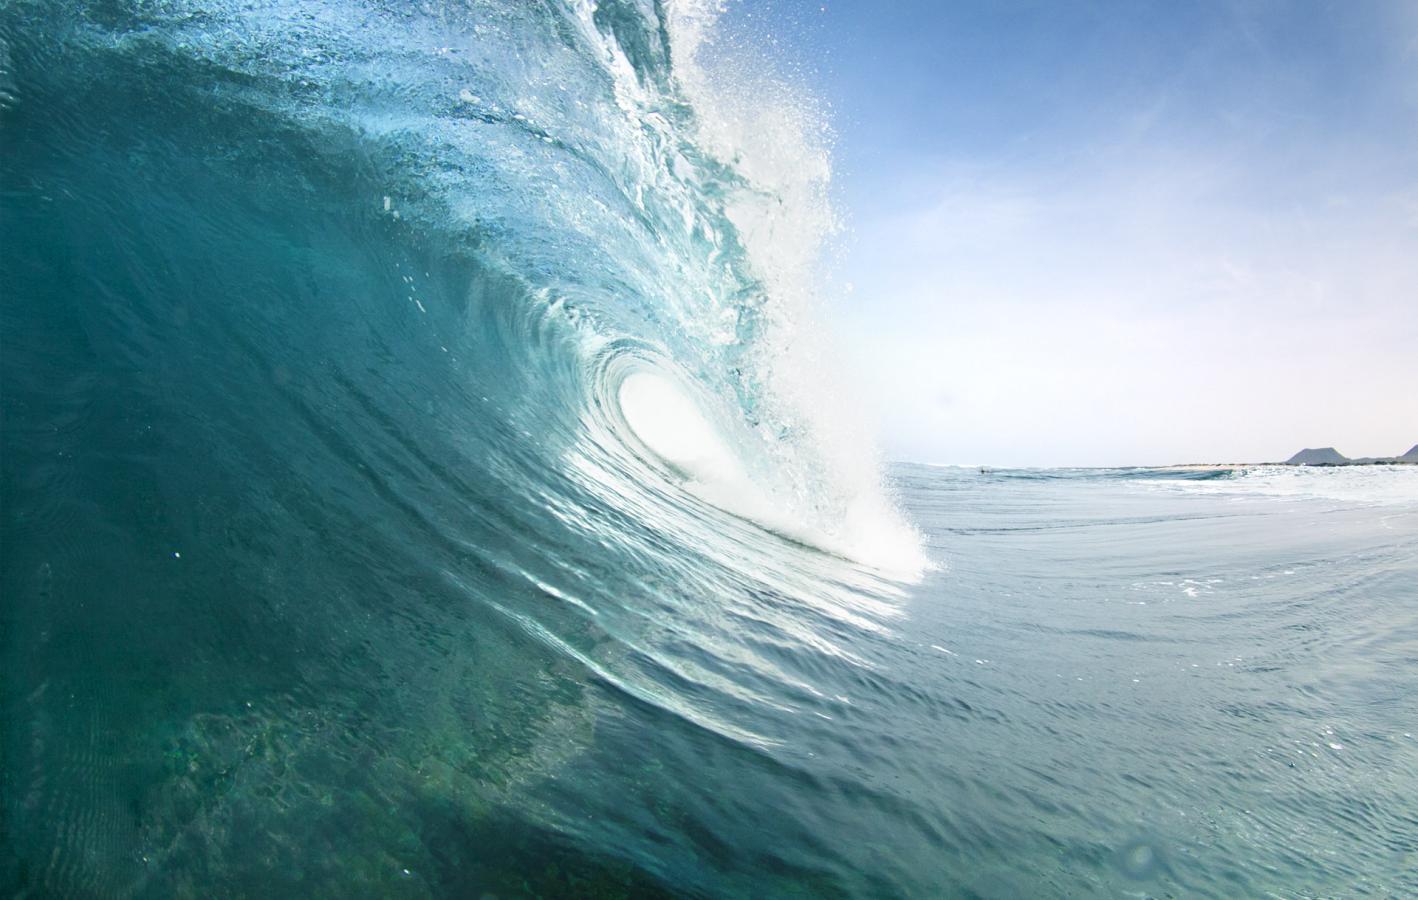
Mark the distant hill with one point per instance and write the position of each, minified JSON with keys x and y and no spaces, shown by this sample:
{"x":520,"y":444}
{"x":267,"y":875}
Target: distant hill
{"x":1322,"y":456}
{"x":1410,"y":457}
{"x":1328,"y":456}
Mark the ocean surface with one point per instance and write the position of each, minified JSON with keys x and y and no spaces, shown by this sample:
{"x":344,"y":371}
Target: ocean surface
{"x":421,"y":477}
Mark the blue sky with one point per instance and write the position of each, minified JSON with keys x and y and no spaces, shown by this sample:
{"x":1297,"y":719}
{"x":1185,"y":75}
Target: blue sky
{"x":1113,"y":233}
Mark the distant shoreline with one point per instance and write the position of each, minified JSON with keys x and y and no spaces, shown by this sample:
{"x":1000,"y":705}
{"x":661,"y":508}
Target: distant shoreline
{"x":1175,"y":467}
{"x":1206,"y":467}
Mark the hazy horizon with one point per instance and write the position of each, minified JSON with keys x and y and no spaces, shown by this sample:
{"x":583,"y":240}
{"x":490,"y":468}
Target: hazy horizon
{"x":1123,"y":234}
{"x":1149,"y":463}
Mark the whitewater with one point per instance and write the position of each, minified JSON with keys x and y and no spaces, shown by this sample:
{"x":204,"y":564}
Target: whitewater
{"x":425,"y":474}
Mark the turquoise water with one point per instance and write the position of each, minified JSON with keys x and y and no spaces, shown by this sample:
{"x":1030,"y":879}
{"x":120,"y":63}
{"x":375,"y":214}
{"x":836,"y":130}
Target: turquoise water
{"x":1185,"y":684}
{"x":414,"y":484}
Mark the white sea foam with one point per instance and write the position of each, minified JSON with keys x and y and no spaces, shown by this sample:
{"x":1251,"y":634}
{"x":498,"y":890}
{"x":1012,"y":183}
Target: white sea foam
{"x":827,"y":474}
{"x":1386,"y":485}
{"x":672,"y":426}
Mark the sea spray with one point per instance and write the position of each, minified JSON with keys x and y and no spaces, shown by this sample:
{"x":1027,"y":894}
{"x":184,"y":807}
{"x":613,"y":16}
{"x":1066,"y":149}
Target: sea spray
{"x":775,"y":138}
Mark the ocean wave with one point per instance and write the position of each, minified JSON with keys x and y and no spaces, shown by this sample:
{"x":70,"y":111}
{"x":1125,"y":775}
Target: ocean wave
{"x":464,"y":341}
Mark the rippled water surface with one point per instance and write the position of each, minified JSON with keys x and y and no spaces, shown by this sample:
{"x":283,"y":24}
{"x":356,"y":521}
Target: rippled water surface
{"x":1186,"y":683}
{"x":1117,"y":683}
